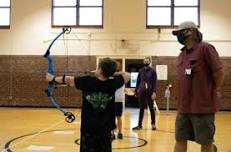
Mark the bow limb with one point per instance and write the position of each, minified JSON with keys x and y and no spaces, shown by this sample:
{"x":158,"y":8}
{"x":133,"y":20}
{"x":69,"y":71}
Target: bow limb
{"x":65,"y":30}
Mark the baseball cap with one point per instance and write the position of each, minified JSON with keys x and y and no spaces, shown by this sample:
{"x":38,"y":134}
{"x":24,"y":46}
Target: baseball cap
{"x":185,"y":25}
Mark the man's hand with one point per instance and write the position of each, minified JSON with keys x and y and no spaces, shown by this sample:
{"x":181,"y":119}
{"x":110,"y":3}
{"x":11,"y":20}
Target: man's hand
{"x":135,"y":94}
{"x":219,"y":94}
{"x":153,"y":96}
{"x":49,"y":77}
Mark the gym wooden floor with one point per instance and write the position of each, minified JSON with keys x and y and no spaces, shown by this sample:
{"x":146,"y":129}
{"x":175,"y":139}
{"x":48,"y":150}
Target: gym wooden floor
{"x":27,"y":129}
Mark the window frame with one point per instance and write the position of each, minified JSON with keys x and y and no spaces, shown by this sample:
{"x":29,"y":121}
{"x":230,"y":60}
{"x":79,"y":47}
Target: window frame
{"x":172,"y":7}
{"x":6,"y":26}
{"x":77,"y":15}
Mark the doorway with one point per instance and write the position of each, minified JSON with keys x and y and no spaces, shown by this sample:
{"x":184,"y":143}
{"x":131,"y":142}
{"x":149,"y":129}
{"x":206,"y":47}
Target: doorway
{"x":132,"y":66}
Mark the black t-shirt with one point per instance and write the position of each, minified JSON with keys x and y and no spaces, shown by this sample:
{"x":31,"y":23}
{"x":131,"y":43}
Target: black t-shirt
{"x":98,"y":103}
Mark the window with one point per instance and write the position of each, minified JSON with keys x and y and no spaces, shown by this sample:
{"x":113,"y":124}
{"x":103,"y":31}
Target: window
{"x":4,"y":13}
{"x":170,"y":13}
{"x":79,"y":13}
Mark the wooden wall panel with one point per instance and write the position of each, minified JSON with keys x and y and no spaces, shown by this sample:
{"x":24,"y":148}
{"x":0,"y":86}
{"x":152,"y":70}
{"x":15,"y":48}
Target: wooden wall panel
{"x":171,"y":62}
{"x":226,"y":95}
{"x":161,"y":84}
{"x":22,"y":80}
{"x":5,"y":79}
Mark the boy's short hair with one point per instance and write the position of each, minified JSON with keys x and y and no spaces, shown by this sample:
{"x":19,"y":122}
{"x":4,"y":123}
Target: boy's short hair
{"x":108,"y":67}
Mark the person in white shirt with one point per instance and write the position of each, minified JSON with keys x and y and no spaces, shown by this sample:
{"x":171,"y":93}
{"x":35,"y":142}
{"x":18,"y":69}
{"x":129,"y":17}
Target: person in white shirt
{"x":119,"y":99}
{"x":167,"y":95}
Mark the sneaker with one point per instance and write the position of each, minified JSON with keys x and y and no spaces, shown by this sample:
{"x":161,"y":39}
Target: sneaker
{"x":113,"y":137}
{"x":120,"y":136}
{"x":153,"y":127}
{"x":214,"y":148}
{"x":137,"y":128}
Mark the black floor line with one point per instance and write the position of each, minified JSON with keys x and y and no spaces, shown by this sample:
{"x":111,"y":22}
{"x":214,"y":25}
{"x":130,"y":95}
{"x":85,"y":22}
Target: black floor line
{"x":144,"y":142}
{"x":8,"y":143}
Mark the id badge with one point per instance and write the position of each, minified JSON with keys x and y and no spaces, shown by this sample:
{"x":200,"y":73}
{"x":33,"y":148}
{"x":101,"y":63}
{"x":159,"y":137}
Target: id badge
{"x":146,"y":85}
{"x":188,"y":71}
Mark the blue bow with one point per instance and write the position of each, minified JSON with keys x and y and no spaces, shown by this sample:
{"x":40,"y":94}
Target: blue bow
{"x":51,"y":85}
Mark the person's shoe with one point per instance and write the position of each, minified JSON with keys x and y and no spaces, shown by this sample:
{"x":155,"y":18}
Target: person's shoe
{"x":214,"y":148}
{"x":113,"y":136}
{"x":120,"y":136}
{"x":153,"y":127}
{"x":137,"y":128}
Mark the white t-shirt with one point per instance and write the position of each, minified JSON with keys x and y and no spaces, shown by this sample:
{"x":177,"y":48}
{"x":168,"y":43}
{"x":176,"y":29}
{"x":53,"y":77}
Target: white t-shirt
{"x":119,"y":95}
{"x":167,"y":93}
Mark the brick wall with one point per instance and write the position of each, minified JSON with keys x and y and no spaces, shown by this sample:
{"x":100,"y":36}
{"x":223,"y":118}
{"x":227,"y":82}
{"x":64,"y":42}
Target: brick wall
{"x":171,"y":62}
{"x":22,"y":80}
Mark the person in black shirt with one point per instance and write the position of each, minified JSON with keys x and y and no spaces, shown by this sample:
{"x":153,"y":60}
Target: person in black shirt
{"x":98,"y":94}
